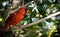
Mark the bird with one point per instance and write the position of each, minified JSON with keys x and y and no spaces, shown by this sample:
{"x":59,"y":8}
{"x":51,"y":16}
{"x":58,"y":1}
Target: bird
{"x":15,"y":18}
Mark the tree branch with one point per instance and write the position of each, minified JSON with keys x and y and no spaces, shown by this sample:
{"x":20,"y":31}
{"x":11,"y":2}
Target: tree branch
{"x":39,"y":21}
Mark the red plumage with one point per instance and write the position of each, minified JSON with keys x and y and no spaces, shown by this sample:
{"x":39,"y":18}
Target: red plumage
{"x":15,"y":18}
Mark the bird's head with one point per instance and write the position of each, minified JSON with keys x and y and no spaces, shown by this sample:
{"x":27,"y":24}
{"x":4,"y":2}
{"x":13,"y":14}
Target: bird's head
{"x":27,"y":10}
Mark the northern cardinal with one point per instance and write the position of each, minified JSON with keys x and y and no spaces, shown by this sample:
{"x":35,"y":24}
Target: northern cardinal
{"x":15,"y":18}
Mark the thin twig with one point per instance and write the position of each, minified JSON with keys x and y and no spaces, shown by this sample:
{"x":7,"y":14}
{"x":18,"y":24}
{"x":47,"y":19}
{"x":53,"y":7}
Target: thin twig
{"x":12,"y":11}
{"x":39,"y":21}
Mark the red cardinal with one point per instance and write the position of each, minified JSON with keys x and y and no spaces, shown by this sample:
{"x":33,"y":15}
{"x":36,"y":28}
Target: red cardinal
{"x":15,"y":18}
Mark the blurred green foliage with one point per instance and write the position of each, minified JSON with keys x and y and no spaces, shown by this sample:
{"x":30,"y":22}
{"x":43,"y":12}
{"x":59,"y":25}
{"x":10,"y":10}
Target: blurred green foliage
{"x":35,"y":30}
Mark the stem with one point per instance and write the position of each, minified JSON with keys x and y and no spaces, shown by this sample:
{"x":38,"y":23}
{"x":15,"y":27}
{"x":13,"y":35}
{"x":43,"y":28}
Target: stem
{"x":39,"y":21}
